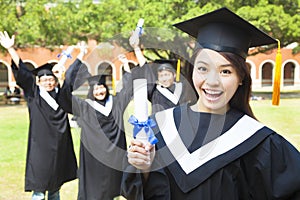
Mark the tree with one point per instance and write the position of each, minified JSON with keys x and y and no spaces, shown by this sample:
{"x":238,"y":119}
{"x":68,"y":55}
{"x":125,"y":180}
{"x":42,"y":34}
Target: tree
{"x":53,"y":23}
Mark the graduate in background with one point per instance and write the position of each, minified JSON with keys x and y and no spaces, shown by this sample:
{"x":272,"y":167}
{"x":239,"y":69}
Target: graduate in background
{"x":50,"y":158}
{"x":163,"y":90}
{"x":166,"y":92}
{"x":215,"y":148}
{"x":103,"y":142}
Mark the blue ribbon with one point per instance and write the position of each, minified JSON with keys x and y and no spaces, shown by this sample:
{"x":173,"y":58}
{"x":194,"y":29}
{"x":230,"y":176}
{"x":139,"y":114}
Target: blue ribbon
{"x":140,"y":31}
{"x":66,"y":54}
{"x":147,"y":126}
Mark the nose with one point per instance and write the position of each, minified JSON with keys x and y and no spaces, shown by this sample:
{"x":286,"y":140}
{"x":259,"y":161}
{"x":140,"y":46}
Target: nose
{"x":213,"y":78}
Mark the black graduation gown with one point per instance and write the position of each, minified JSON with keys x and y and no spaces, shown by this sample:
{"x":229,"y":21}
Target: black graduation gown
{"x":163,"y":98}
{"x":50,"y":158}
{"x":103,"y":143}
{"x":239,"y":158}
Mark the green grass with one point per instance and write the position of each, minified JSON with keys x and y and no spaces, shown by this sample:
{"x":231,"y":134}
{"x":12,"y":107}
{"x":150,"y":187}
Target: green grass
{"x":284,"y":119}
{"x":13,"y":142}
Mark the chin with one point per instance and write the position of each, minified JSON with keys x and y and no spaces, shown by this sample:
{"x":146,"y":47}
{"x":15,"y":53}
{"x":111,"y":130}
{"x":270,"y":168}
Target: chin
{"x":100,"y":98}
{"x":49,"y":89}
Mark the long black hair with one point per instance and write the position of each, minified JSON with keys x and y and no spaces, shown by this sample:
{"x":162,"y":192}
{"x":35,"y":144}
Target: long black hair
{"x":241,"y":97}
{"x":90,"y":94}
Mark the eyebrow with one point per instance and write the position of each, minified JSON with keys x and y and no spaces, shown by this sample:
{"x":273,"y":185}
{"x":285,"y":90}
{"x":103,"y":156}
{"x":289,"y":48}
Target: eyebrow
{"x":225,"y":65}
{"x":200,"y":61}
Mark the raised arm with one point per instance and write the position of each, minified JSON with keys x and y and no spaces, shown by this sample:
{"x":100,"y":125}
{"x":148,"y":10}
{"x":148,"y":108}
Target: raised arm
{"x":8,"y":43}
{"x":75,"y":76}
{"x":134,"y":41}
{"x":83,"y":50}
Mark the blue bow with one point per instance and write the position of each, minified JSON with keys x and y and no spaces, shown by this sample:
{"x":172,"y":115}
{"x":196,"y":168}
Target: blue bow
{"x":140,"y":31}
{"x":66,"y":54}
{"x":147,"y":125}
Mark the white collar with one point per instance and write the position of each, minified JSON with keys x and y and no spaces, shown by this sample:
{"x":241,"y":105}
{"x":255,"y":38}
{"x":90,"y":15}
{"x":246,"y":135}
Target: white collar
{"x":47,"y":97}
{"x":227,"y":141}
{"x":105,"y":110}
{"x":173,"y":97}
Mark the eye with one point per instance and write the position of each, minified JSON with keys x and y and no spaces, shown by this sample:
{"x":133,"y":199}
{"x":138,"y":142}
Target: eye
{"x":202,"y":69}
{"x":225,"y":71}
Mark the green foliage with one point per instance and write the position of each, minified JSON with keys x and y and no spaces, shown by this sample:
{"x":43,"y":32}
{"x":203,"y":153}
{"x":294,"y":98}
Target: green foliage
{"x":52,"y":23}
{"x":273,"y":20}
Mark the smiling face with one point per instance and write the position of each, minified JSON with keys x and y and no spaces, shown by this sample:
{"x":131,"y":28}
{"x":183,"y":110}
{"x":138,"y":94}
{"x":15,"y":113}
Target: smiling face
{"x":48,"y":82}
{"x":215,"y":80}
{"x":166,"y":78}
{"x":99,"y":92}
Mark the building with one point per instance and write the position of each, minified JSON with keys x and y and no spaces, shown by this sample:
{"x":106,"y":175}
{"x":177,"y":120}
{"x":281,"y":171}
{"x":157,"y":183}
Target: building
{"x":263,"y":69}
{"x":102,"y":59}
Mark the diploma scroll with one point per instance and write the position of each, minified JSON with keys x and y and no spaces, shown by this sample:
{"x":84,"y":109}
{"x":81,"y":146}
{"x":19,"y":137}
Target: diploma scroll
{"x":142,"y":124}
{"x":134,"y":40}
{"x":64,"y":57}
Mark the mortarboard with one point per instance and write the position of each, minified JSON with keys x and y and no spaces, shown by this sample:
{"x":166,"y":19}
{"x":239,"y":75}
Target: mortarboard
{"x":44,"y":70}
{"x":164,"y":64}
{"x":97,"y":79}
{"x":224,"y":31}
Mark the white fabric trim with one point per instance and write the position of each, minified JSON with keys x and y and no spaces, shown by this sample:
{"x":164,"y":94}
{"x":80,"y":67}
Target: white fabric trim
{"x":47,"y":97}
{"x":174,"y":97}
{"x":105,"y":110}
{"x":240,"y":132}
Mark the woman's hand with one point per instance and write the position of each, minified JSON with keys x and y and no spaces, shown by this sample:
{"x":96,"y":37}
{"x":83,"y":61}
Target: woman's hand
{"x":140,"y":155}
{"x":124,"y":61}
{"x":82,"y":47}
{"x":134,"y":40}
{"x":59,"y":71}
{"x":6,"y":41}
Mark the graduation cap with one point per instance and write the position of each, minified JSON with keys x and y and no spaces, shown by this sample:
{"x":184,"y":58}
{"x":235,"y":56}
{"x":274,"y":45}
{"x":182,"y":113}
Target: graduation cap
{"x":97,"y":79}
{"x":224,"y":31}
{"x":164,"y":64}
{"x":44,"y":70}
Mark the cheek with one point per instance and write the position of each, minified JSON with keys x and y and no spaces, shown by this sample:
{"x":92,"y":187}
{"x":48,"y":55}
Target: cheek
{"x":94,"y":91}
{"x":197,"y":80}
{"x":230,"y":87}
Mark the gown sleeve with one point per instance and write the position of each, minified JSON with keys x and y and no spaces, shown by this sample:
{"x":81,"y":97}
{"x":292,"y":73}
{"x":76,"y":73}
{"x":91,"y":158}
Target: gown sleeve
{"x":146,"y":72}
{"x":76,"y":75}
{"x":276,"y":168}
{"x":135,"y":187}
{"x":156,"y":187}
{"x":24,"y":78}
{"x":126,"y":93}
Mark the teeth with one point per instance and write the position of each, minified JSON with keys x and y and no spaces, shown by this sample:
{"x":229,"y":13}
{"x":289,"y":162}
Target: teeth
{"x":213,"y":92}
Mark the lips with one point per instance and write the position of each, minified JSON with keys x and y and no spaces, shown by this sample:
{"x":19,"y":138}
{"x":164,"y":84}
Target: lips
{"x":100,"y":94}
{"x":212,"y":94}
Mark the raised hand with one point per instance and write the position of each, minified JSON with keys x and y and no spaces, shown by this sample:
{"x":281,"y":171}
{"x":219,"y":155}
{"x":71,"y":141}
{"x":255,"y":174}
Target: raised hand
{"x":134,"y":40}
{"x":82,"y":47}
{"x":124,"y":61}
{"x":6,"y":41}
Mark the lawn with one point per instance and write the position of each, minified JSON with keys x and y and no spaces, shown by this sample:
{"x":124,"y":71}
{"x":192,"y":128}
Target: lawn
{"x":13,"y":142}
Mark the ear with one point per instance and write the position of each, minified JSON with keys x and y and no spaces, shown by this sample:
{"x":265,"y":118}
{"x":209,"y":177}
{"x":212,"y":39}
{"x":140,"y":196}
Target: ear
{"x":37,"y":80}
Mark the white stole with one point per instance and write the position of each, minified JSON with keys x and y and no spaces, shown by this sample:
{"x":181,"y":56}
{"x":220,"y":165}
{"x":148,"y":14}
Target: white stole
{"x":105,"y":110}
{"x":47,"y":97}
{"x":240,"y":132}
{"x":173,"y":97}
